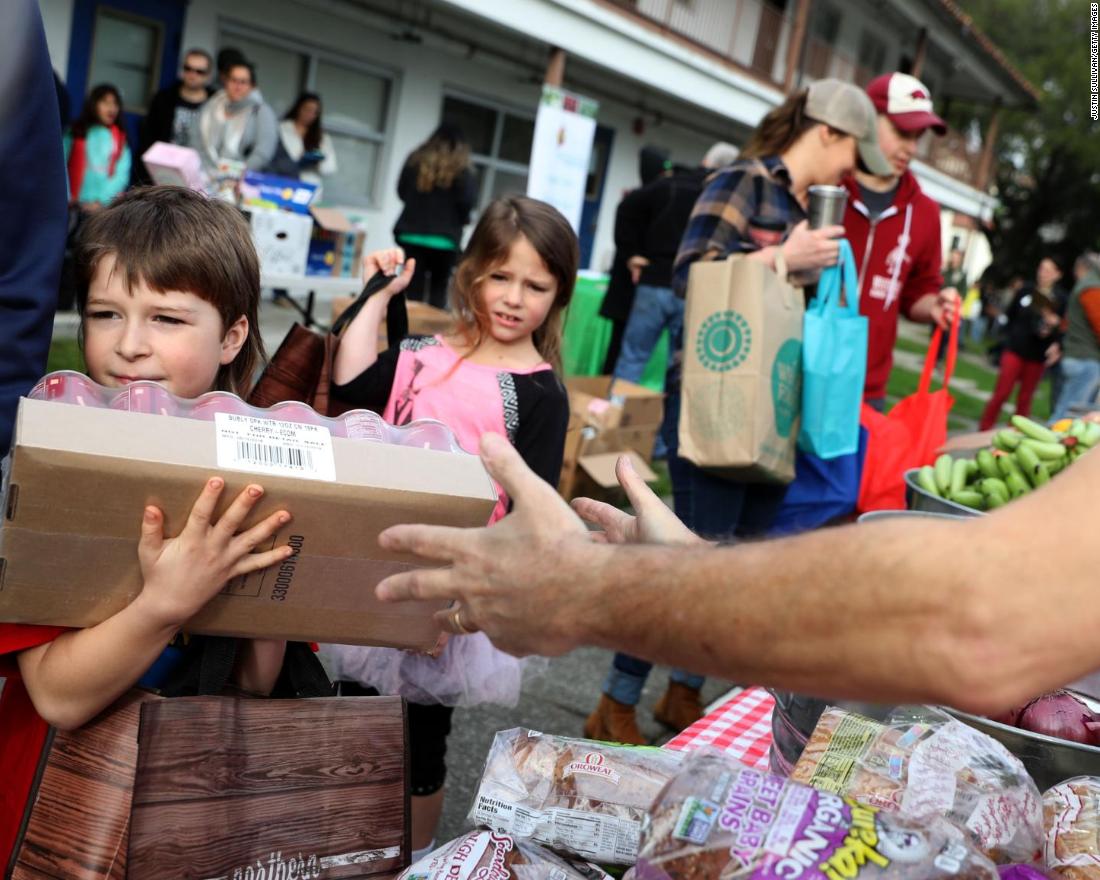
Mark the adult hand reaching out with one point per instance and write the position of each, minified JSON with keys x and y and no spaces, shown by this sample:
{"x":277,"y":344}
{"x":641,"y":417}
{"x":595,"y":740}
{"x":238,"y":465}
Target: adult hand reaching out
{"x":532,"y":546}
{"x":652,"y":523}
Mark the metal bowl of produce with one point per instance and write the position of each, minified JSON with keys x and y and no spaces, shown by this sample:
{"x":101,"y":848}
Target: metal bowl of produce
{"x":917,"y":498}
{"x":1047,"y":759}
{"x":882,"y":515}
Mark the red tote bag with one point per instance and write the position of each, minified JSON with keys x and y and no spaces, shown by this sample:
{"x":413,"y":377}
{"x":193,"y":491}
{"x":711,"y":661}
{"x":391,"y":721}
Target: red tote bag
{"x":909,"y":435}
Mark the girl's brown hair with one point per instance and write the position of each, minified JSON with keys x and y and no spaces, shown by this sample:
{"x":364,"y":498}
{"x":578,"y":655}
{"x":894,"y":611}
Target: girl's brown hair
{"x":778,"y":131}
{"x":553,"y":239}
{"x":172,"y":238}
{"x":441,"y":158}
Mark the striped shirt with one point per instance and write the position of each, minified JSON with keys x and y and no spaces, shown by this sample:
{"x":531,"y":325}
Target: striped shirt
{"x":719,"y":224}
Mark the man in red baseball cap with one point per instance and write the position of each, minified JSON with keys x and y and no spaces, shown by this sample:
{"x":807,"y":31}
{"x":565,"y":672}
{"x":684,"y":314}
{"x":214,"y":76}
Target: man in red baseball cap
{"x":894,"y":229}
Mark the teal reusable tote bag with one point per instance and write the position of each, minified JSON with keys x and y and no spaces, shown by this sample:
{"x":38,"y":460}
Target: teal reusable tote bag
{"x":834,"y":362}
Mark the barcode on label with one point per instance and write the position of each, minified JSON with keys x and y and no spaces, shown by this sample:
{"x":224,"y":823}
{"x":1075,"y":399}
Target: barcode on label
{"x":267,"y":454}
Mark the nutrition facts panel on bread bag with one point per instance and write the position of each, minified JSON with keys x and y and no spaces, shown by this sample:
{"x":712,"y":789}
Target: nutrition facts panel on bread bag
{"x":592,"y":835}
{"x":269,"y":446}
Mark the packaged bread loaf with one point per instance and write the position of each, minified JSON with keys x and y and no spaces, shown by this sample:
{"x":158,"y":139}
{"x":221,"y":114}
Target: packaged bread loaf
{"x":921,"y":763}
{"x":487,"y":855}
{"x":718,"y":820}
{"x":583,"y":798}
{"x":1071,"y":814}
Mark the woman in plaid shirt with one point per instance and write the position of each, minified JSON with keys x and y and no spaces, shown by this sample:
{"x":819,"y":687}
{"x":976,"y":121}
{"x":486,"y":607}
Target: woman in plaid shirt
{"x":815,"y":137}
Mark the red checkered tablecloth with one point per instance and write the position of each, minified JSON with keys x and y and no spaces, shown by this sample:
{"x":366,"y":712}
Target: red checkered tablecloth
{"x":741,"y":727}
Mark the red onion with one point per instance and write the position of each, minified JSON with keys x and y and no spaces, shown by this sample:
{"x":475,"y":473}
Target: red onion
{"x":1060,"y":714}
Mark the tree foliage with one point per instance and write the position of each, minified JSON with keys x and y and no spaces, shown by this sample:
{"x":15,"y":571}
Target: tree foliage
{"x":1047,"y":171}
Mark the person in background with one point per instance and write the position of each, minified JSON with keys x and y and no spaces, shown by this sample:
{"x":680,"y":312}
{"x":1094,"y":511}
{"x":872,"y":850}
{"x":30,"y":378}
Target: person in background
{"x":174,"y":110}
{"x":439,"y":189}
{"x":1031,"y":332}
{"x":228,"y":58}
{"x":1081,"y":346}
{"x":813,"y":137}
{"x":656,"y":216}
{"x":96,"y":152}
{"x":653,"y":161}
{"x":653,"y":221}
{"x":236,"y":124}
{"x":306,"y":143}
{"x":894,"y":230}
{"x":33,"y":226}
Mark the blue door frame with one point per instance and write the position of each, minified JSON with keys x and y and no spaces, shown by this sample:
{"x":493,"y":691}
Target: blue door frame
{"x":601,"y":147}
{"x":168,"y":13}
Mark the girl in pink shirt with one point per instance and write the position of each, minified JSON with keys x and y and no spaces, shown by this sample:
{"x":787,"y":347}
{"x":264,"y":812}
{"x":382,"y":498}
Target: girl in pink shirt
{"x":495,"y":370}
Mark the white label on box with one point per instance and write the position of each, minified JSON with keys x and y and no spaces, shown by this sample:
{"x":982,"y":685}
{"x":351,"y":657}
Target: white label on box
{"x":268,"y":446}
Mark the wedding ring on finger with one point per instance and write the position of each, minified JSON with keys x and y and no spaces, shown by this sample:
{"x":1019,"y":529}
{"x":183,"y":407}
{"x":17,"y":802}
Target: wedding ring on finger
{"x":455,"y":620}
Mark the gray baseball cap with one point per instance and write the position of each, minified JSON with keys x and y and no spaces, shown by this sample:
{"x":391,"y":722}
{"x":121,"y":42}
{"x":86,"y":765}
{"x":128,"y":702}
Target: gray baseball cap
{"x":846,"y":107}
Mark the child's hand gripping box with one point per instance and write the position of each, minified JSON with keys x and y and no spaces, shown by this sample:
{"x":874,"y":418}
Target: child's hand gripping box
{"x":82,"y":475}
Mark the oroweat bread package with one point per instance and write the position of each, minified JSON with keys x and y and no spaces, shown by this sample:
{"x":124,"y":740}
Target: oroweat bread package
{"x":583,"y":798}
{"x":719,"y":820}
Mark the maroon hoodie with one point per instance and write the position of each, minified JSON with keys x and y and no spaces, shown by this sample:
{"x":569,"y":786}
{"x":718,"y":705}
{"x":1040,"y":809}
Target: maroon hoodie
{"x":898,"y":259}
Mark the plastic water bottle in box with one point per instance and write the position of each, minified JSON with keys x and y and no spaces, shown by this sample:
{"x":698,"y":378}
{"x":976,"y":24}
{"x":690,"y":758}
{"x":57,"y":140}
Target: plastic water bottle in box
{"x":67,"y":386}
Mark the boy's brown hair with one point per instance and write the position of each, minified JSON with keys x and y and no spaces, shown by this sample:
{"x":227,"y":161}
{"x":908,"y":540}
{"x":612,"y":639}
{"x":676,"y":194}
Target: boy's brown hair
{"x":177,"y":239}
{"x":500,"y":225}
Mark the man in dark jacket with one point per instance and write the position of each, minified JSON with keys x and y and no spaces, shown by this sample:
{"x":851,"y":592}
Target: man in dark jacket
{"x":175,"y":109}
{"x":653,"y":220}
{"x":652,"y":162}
{"x":32,"y":228}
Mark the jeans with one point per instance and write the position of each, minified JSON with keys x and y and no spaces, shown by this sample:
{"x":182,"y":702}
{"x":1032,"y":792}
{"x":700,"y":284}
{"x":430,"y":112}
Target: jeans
{"x":628,"y":675}
{"x":654,"y":309}
{"x":1081,"y":380}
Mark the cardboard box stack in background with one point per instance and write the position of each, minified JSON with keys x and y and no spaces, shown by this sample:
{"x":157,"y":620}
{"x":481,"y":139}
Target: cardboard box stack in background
{"x":294,"y":237}
{"x":607,"y":420}
{"x":80,"y":477}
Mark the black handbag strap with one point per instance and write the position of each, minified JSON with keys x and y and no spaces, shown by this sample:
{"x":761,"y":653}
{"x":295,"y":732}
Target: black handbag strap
{"x":397,"y":314}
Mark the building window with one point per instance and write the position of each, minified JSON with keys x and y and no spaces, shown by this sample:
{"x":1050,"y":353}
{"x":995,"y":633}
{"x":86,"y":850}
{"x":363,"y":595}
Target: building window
{"x":872,"y":58}
{"x":355,"y":98}
{"x":500,"y":144}
{"x":126,"y":52}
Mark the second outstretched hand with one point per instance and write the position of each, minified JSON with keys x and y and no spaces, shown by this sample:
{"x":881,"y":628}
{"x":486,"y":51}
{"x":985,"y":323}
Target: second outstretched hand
{"x":183,"y":573}
{"x":388,"y":261}
{"x":652,"y":522}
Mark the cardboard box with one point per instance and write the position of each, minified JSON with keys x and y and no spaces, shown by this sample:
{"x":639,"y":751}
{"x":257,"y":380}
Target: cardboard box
{"x":605,"y":422}
{"x":282,"y":240}
{"x":640,"y":405}
{"x":336,"y":247}
{"x":173,"y":165}
{"x":275,"y":193}
{"x":81,"y":476}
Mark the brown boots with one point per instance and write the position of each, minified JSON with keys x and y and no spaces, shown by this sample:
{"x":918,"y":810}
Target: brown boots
{"x":613,"y":721}
{"x":679,"y":708}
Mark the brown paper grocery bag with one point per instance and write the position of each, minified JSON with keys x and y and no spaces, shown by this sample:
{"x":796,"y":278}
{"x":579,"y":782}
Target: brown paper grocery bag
{"x":742,"y":370}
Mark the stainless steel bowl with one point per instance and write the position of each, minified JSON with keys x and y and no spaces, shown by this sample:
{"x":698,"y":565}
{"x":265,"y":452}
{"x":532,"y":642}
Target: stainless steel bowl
{"x":1048,"y":760}
{"x":917,"y":499}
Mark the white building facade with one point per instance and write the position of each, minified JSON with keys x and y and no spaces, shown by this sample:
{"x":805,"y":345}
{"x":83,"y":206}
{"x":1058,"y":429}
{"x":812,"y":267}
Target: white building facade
{"x":676,"y":74}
